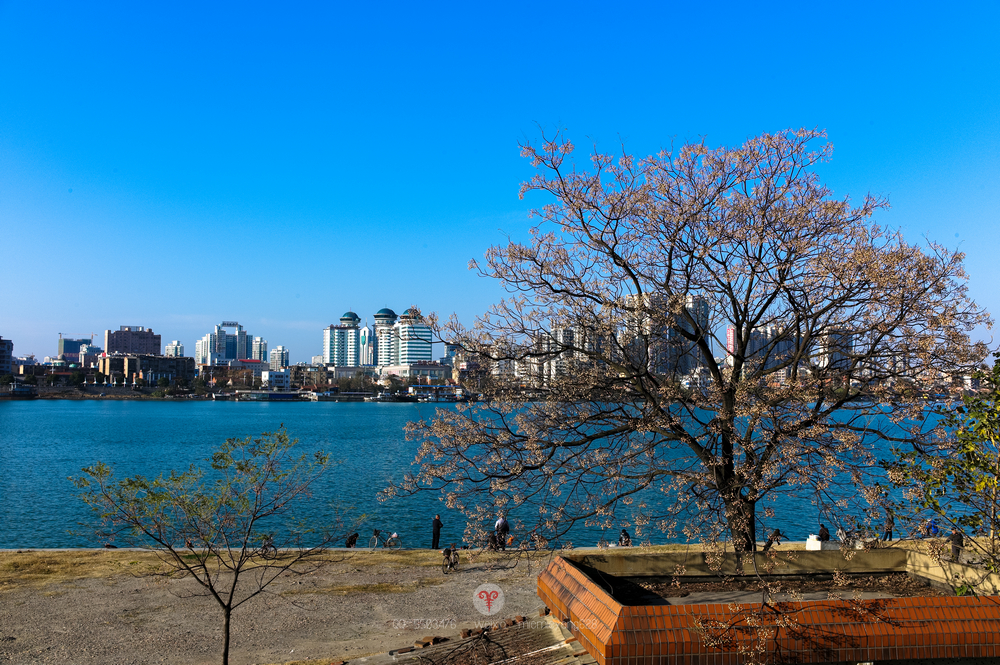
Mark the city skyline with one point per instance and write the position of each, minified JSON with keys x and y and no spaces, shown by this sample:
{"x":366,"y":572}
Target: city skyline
{"x":280,"y":168}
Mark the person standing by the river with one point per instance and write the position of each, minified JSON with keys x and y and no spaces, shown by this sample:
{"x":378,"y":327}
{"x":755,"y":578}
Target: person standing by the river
{"x":957,"y":541}
{"x":890,"y":523}
{"x":436,"y":526}
{"x":502,"y":528}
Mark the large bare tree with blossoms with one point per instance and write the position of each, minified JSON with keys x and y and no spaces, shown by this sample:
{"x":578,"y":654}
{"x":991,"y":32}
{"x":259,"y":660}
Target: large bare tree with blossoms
{"x":689,"y":336}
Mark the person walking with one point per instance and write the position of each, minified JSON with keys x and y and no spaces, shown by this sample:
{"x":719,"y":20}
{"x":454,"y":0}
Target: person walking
{"x":502,"y":528}
{"x":436,"y":526}
{"x":957,"y":541}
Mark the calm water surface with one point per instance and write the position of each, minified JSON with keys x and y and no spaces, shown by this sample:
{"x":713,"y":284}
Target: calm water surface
{"x":44,"y":442}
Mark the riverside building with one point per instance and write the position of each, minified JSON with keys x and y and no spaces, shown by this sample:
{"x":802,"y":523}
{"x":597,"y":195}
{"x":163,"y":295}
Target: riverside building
{"x":220,"y":345}
{"x":394,"y":341}
{"x":278,"y":358}
{"x":6,"y":355}
{"x":385,"y":319}
{"x":131,"y":339}
{"x":342,"y":343}
{"x":411,"y":341}
{"x":69,"y":349}
{"x":258,"y":349}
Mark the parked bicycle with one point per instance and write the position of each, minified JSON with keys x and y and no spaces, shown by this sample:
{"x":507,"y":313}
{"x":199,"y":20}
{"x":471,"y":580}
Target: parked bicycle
{"x":391,"y":541}
{"x":450,"y":562}
{"x":267,"y":549}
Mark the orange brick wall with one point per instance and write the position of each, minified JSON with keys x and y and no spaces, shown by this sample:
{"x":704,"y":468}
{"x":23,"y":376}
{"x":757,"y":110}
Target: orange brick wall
{"x":808,"y":632}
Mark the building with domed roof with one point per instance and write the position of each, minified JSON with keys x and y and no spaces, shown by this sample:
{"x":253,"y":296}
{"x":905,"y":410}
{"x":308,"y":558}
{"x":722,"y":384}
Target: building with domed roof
{"x":341,"y":343}
{"x":385,"y":319}
{"x":411,"y":340}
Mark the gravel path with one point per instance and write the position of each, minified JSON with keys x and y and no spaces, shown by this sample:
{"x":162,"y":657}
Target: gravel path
{"x":369,"y":603}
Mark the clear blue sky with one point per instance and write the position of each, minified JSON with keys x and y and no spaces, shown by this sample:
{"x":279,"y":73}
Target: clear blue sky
{"x":178,"y":164}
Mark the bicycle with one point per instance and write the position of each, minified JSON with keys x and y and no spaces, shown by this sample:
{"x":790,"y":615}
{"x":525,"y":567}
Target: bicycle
{"x":391,"y":542}
{"x":450,"y":560}
{"x":268,"y":550}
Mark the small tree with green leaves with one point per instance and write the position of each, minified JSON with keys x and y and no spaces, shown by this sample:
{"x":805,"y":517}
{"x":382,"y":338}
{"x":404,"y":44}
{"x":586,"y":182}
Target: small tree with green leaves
{"x":956,"y":483}
{"x":163,"y":382}
{"x":232,"y":529}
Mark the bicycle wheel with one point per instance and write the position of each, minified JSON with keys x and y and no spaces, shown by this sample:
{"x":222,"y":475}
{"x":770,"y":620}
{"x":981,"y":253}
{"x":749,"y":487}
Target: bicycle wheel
{"x":373,"y":542}
{"x":394,"y":542}
{"x":268,"y":552}
{"x":454,"y":561}
{"x":445,"y":566}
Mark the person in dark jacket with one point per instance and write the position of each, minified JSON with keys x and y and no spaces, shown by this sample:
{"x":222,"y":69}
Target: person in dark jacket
{"x":624,"y":540}
{"x":890,"y":524}
{"x":824,"y":534}
{"x":502,"y":529}
{"x":436,"y":526}
{"x":352,"y":540}
{"x":957,"y":541}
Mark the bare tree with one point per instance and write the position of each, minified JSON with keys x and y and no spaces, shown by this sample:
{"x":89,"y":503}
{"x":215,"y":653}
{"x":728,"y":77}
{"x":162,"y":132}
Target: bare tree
{"x":232,"y":531}
{"x":607,"y":401}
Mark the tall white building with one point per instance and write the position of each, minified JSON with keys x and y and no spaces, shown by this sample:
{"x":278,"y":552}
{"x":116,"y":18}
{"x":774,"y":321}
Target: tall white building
{"x":367,"y":346}
{"x":342,"y":343}
{"x":278,"y":358}
{"x":385,"y":319}
{"x":411,"y":341}
{"x":174,"y":350}
{"x":219,"y":345}
{"x":258,"y":349}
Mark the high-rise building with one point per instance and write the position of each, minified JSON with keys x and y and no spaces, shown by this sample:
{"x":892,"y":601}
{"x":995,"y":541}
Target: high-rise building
{"x":88,"y":355}
{"x":132,"y":339}
{"x":366,"y":341}
{"x":686,"y":356}
{"x":769,"y":346}
{"x":342,"y":343}
{"x":450,"y":352}
{"x":654,"y":333}
{"x":833,"y":350}
{"x":69,"y":349}
{"x":258,"y":349}
{"x":220,"y":345}
{"x":6,"y":356}
{"x":174,"y":350}
{"x":385,"y":319}
{"x":411,"y":343}
{"x":279,"y":358}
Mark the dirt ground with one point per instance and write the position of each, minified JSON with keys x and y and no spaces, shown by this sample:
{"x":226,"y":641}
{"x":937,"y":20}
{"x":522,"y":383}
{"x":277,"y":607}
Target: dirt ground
{"x":86,"y":606}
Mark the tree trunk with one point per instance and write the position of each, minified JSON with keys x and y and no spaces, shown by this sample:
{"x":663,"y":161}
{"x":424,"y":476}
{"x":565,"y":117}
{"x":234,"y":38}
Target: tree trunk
{"x":225,"y":635}
{"x":741,"y":515}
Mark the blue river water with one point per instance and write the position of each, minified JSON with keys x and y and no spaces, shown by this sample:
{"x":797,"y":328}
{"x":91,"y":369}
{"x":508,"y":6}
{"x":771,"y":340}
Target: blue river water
{"x":45,"y":442}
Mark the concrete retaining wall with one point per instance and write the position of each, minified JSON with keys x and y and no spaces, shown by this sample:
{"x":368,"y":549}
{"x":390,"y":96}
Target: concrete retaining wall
{"x":696,"y":563}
